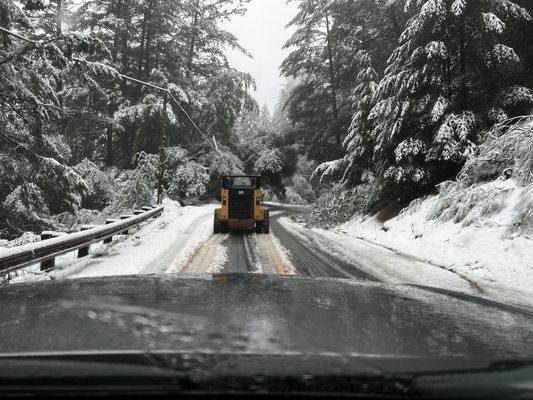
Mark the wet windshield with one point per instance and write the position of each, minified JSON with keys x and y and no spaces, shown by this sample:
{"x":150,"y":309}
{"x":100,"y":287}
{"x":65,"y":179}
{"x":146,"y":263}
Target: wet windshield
{"x":268,"y":177}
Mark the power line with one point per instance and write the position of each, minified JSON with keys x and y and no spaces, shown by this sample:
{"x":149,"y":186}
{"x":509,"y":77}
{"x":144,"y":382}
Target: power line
{"x":28,"y":40}
{"x":194,"y":124}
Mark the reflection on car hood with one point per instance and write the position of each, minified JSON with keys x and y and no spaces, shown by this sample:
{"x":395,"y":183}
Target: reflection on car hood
{"x":258,"y":314}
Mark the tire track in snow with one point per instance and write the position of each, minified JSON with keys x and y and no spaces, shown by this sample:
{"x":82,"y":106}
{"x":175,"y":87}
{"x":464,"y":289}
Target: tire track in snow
{"x":208,"y":258}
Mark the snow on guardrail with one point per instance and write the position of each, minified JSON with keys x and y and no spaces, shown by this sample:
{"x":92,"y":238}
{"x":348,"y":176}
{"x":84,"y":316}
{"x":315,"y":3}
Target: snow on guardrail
{"x":53,"y":245}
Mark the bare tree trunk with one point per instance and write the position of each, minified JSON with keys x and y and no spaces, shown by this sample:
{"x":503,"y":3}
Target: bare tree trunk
{"x":59,"y":31}
{"x":143,"y":38}
{"x":162,"y":145}
{"x":149,"y":36}
{"x":110,"y":153}
{"x":192,"y":44}
{"x":124,"y":45}
{"x":463,"y":90}
{"x":4,"y":21}
{"x":59,"y":17}
{"x":332,"y":83}
{"x":116,"y":37}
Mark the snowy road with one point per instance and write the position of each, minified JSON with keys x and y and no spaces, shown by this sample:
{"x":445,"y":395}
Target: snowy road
{"x":181,"y":242}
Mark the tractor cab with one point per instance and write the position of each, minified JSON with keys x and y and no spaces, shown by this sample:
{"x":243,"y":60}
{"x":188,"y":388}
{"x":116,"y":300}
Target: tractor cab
{"x":241,"y":207}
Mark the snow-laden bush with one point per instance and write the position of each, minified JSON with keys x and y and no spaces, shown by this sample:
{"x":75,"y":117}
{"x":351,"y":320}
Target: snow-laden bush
{"x":219,"y":165}
{"x":174,"y":157}
{"x":57,"y":145}
{"x":185,"y":179}
{"x":100,"y":189}
{"x":188,"y":181}
{"x":302,"y":188}
{"x":137,"y":187}
{"x":25,"y":238}
{"x":339,"y":204}
{"x":226,"y":163}
{"x":506,"y":150}
{"x":329,"y":172}
{"x":496,"y":181}
{"x":268,"y":162}
{"x":464,"y":204}
{"x":26,"y":210}
{"x":62,"y":188}
{"x":522,"y":222}
{"x":269,"y":194}
{"x":82,"y":217}
{"x":8,"y":175}
{"x":293,"y":197}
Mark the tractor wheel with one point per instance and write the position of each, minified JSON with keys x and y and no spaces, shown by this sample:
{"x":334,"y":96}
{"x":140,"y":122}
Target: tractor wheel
{"x":259,"y":227}
{"x":266,"y":222}
{"x":216,"y":224}
{"x":224,"y":227}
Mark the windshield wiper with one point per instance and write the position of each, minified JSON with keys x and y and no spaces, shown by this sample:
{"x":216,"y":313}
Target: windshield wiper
{"x":214,"y":373}
{"x":501,"y":380}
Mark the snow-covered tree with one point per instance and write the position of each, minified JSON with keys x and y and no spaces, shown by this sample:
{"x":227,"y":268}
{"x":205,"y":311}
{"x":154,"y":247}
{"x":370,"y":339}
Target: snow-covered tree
{"x":100,"y":188}
{"x":188,"y":181}
{"x":451,"y":67}
{"x":184,"y":178}
{"x":137,"y":186}
{"x":359,"y":144}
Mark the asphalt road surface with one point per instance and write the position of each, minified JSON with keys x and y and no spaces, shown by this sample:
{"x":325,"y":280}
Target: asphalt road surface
{"x":307,"y":257}
{"x":248,"y":252}
{"x":166,"y":247}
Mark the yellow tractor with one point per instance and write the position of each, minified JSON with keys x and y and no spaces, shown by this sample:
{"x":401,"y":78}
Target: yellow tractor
{"x":241,"y":206}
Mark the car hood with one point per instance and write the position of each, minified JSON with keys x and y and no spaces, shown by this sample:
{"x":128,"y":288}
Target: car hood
{"x":258,"y":314}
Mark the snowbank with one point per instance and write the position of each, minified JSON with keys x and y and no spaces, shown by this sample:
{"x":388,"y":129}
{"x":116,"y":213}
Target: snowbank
{"x":480,"y":226}
{"x":484,"y":251}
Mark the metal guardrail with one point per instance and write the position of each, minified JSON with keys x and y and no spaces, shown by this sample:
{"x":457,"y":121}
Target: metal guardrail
{"x":55,"y":244}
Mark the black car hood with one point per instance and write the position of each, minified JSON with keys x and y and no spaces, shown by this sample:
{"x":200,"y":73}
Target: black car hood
{"x":257,"y":314}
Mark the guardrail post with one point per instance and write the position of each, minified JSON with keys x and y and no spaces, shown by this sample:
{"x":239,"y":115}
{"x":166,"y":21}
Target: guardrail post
{"x":51,"y":263}
{"x":122,"y":217}
{"x":147,"y":208}
{"x":109,"y":239}
{"x":137,"y":212}
{"x":84,"y":251}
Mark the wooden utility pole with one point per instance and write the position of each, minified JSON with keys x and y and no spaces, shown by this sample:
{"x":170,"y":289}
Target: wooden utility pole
{"x":162,"y":145}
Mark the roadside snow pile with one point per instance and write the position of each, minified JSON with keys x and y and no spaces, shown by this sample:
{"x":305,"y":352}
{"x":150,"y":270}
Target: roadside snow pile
{"x":27,"y":237}
{"x":480,"y":225}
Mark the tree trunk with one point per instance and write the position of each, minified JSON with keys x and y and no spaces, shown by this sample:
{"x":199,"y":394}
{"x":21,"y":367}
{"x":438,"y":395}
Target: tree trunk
{"x":162,"y":145}
{"x":192,"y":44}
{"x":332,"y":82}
{"x":116,"y":37}
{"x":59,"y":17}
{"x":463,"y":90}
{"x":4,"y":21}
{"x":110,"y":154}
{"x":124,"y":45}
{"x":149,"y":36}
{"x":59,"y":31}
{"x":143,"y":38}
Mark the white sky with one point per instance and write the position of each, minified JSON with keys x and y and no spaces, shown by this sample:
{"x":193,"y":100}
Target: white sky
{"x":262,"y":32}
